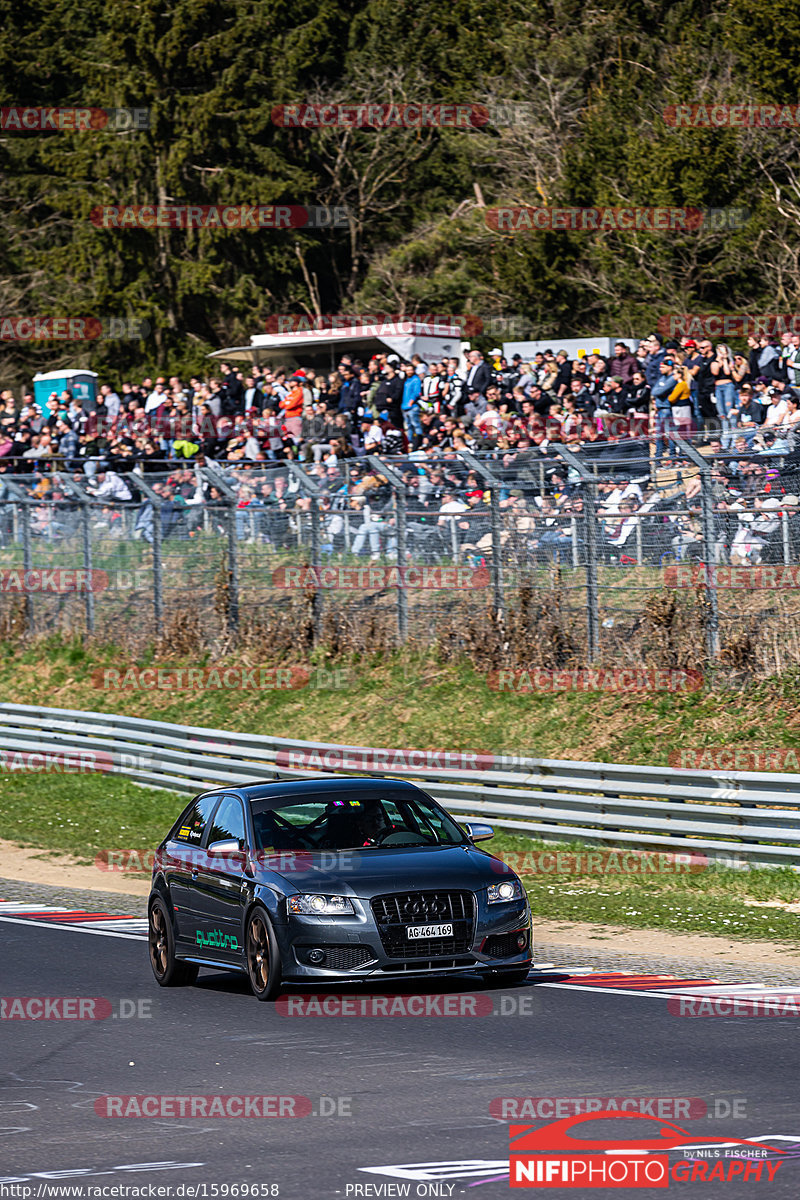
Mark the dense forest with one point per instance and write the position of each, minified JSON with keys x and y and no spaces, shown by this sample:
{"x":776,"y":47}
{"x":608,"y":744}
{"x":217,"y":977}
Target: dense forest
{"x":593,"y":84}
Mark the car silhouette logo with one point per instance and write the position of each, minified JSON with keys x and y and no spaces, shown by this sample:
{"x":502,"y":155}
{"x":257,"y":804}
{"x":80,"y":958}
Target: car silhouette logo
{"x":526,"y":1139}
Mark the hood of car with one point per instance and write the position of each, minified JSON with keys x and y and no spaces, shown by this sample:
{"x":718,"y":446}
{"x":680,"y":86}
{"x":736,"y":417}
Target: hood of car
{"x":374,"y":870}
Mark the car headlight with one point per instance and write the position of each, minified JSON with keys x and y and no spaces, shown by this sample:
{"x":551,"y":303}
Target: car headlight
{"x":499,"y":893}
{"x":320,"y":906}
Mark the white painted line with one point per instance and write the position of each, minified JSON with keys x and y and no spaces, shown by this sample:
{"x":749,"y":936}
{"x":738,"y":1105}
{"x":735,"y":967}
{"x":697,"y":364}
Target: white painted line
{"x":585,"y":987}
{"x":136,"y":937}
{"x":12,"y":906}
{"x":134,"y":925}
{"x":734,"y":989}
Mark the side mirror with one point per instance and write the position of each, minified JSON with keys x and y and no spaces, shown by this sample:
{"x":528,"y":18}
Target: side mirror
{"x":230,"y":848}
{"x":478,"y":832}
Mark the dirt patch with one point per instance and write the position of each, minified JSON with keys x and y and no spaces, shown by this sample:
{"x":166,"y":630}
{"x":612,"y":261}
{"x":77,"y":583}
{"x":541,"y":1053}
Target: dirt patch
{"x":689,"y":947}
{"x":60,"y":870}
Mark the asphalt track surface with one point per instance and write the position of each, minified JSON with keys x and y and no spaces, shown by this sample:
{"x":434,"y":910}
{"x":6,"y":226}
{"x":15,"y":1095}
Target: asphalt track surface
{"x":419,"y":1089}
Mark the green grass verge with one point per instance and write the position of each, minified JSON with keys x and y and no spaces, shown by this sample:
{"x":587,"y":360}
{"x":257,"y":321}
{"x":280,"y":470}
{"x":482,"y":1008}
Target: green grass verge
{"x":414,"y":700}
{"x":82,"y":815}
{"x":711,"y":901}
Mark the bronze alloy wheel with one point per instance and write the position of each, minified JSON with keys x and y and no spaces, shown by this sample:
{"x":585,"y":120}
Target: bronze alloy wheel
{"x":157,"y":936}
{"x":168,"y":970}
{"x":263,"y":956}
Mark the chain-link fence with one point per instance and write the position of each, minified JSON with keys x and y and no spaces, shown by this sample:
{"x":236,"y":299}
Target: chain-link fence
{"x":607,"y":552}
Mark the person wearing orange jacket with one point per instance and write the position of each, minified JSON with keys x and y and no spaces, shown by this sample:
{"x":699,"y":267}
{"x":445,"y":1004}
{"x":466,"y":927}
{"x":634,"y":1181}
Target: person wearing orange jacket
{"x":291,"y":406}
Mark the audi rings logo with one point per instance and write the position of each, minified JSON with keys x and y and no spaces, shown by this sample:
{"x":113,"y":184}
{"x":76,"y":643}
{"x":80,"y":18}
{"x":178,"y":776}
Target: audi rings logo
{"x":427,"y":908}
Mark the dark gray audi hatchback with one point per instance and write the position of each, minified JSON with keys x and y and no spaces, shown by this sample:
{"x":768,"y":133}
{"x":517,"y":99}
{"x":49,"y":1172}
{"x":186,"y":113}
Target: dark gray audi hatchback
{"x":332,"y":880}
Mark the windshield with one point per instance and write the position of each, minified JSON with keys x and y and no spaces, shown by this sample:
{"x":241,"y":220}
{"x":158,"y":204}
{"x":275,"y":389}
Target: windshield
{"x":349,"y":823}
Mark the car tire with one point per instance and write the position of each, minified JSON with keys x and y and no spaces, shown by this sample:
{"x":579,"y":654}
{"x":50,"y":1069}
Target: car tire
{"x":506,"y":978}
{"x":264,"y":968}
{"x":168,"y":971}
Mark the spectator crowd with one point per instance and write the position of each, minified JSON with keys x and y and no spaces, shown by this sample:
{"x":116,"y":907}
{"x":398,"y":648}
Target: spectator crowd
{"x":389,"y":407}
{"x":744,"y":407}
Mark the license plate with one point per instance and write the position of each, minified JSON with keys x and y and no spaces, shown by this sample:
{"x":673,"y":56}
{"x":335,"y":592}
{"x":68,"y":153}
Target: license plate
{"x":429,"y":931}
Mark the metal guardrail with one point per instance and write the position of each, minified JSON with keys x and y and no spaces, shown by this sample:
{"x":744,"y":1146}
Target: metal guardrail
{"x":753,"y":816}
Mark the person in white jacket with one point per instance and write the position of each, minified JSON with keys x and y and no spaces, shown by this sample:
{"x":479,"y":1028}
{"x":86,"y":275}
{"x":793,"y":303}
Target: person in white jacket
{"x":110,"y":484}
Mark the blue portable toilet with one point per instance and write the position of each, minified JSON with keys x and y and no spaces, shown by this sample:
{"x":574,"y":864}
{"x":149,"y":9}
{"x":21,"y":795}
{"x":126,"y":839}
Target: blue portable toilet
{"x":82,"y":384}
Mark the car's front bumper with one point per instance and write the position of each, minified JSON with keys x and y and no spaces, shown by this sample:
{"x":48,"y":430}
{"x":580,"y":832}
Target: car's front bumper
{"x":352,"y":946}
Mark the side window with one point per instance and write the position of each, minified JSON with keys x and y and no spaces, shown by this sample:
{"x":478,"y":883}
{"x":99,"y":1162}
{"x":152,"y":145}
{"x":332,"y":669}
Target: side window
{"x":431,"y":818}
{"x":228,"y":822}
{"x":393,"y":814}
{"x":192,"y":825}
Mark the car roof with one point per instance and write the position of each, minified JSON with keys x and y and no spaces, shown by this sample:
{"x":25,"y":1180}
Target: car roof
{"x":284,"y":790}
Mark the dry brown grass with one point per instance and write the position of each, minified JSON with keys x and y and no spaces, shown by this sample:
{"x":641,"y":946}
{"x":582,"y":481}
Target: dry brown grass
{"x":541,"y":626}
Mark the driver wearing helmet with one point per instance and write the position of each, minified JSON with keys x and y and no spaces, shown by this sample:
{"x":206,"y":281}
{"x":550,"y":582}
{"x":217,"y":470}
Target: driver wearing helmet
{"x":369,"y":822}
{"x":356,"y":823}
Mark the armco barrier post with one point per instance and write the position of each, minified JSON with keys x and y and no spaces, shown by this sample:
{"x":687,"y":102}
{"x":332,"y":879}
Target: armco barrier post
{"x":24,"y":504}
{"x":311,"y":490}
{"x":712,"y":624}
{"x":590,"y":524}
{"x":497,"y":542}
{"x":86,"y":536}
{"x":232,"y":615}
{"x":399,"y":490}
{"x":86,"y":533}
{"x":158,"y":594}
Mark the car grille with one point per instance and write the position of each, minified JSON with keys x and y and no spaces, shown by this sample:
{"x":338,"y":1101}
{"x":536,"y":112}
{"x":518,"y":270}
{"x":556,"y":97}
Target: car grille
{"x":340,"y":958}
{"x":347,"y":958}
{"x":393,"y":913}
{"x":503,"y":945}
